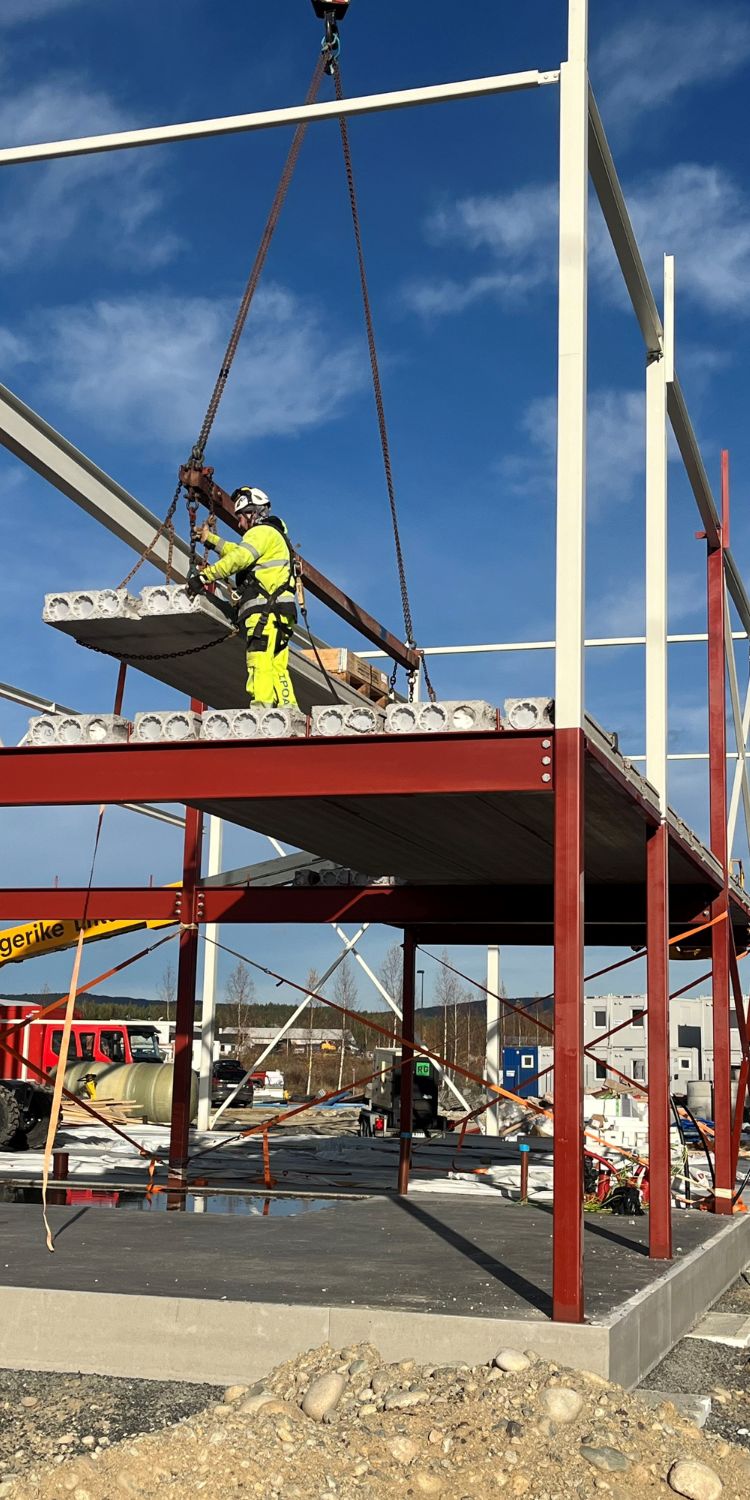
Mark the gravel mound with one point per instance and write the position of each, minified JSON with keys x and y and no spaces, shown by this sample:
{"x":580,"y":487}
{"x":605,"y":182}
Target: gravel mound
{"x":341,"y":1423}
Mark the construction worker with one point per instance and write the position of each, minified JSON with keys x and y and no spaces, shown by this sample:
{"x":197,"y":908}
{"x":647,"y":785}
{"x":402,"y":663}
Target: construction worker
{"x":261,"y":562}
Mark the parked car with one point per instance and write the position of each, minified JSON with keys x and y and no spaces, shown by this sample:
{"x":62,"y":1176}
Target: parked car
{"x":227,"y":1073}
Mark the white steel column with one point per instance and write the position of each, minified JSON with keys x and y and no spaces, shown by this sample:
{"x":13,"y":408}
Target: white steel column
{"x":658,"y":362}
{"x":571,"y":377}
{"x":493,"y":1060}
{"x":210,"y":970}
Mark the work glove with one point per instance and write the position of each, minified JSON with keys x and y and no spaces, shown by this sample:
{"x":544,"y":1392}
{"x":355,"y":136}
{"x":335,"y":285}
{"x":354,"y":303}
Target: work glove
{"x":196,"y":583}
{"x":200,"y":534}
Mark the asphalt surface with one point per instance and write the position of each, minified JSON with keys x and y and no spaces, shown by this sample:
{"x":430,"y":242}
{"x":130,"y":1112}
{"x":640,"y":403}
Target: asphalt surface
{"x":39,"y":1411}
{"x":699,"y":1368}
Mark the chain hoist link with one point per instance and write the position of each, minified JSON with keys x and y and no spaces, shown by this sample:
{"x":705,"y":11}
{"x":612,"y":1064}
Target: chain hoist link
{"x":259,"y":263}
{"x":160,"y":531}
{"x":375,"y":368}
{"x":157,"y":655}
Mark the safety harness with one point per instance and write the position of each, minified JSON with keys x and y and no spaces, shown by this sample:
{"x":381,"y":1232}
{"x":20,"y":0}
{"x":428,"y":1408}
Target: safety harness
{"x":256,"y":599}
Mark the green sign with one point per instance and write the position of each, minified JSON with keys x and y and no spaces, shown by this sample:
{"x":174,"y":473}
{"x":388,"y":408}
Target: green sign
{"x":423,"y":1068}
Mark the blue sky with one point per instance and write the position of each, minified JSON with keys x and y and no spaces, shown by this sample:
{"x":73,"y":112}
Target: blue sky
{"x":119,"y":276}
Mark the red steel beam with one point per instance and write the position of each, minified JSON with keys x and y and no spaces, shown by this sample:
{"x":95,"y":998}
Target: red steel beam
{"x":657,"y":983}
{"x":391,"y":765}
{"x":406,"y":1094}
{"x":567,"y":1234}
{"x":457,"y":905}
{"x":717,"y":747}
{"x":185,"y":1014}
{"x":203,"y":487}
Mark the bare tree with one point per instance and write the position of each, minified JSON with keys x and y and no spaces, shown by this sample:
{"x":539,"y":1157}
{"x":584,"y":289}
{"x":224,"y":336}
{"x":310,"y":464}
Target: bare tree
{"x":240,"y":995}
{"x":311,"y":983}
{"x":449,"y":992}
{"x":345,"y":993}
{"x":167,"y":990}
{"x":391,"y":975}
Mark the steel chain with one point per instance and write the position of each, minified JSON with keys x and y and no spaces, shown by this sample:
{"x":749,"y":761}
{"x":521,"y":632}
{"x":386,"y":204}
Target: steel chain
{"x":376,"y":381}
{"x":239,"y":323}
{"x":156,"y":655}
{"x":259,"y":262}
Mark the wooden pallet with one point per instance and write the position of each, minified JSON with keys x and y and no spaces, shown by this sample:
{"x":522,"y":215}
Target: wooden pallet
{"x":358,"y":674}
{"x":117,"y":1111}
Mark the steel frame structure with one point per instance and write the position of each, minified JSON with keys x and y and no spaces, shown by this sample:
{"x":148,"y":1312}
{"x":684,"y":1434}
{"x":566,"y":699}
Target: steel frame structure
{"x":471,"y":765}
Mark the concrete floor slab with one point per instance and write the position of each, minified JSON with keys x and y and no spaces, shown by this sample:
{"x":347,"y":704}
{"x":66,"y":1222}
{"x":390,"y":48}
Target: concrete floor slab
{"x":732,"y":1329}
{"x":207,"y":1297}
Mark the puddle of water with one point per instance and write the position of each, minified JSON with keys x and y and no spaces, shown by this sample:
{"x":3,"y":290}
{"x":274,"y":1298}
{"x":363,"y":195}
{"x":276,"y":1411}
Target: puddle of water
{"x":252,"y":1205}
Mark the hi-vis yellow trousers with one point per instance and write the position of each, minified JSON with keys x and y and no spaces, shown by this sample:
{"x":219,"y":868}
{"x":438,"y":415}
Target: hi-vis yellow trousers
{"x":268,"y":678}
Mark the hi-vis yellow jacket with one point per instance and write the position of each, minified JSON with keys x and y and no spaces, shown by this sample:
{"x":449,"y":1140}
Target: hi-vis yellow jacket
{"x":261,"y":560}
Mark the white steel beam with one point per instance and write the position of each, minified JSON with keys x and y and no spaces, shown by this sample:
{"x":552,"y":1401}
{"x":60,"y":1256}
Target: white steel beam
{"x":210,"y":975}
{"x":739,"y":782}
{"x":350,"y":945}
{"x":296,"y":114}
{"x":571,"y":379}
{"x":31,"y":439}
{"x":741,"y":739}
{"x":616,"y":216}
{"x":397,"y":1011}
{"x":687,"y":639}
{"x":656,"y":575}
{"x":493,"y":1063}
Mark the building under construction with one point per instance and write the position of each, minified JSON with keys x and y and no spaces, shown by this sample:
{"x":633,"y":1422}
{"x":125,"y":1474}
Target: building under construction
{"x":461,"y":822}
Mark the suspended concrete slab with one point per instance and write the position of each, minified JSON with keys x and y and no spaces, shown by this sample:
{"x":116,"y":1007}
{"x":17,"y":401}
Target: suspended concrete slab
{"x":189,"y":644}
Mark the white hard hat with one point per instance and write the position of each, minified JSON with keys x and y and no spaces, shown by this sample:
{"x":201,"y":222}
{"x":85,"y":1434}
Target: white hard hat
{"x":249,"y":498}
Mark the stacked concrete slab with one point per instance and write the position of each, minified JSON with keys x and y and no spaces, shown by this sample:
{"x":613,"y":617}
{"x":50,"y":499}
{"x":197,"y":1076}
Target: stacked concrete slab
{"x":257,"y":721}
{"x":453,"y":717}
{"x":77,"y":729}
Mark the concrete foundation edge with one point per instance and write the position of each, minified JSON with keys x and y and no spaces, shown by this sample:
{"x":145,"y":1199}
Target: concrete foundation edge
{"x":194,"y":1339}
{"x":653,"y":1321}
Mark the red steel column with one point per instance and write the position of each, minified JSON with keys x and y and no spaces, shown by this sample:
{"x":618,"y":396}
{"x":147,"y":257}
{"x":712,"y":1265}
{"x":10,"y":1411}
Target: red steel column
{"x":185,"y":1015}
{"x":657,"y":984}
{"x":717,"y":748}
{"x":406,"y":1108}
{"x":567,"y":1235}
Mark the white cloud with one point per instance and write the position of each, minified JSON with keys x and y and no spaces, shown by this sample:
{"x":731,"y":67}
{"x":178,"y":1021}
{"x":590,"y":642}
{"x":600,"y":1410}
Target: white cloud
{"x":146,"y":363}
{"x":619,"y":608}
{"x":642,"y":65}
{"x":108,"y":205}
{"x":23,"y":12}
{"x":518,"y":229}
{"x":697,"y":213}
{"x":616,"y":438}
{"x":701,"y":216}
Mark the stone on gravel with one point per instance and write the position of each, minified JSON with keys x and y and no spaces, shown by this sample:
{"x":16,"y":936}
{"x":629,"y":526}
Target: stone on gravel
{"x":696,"y":1481}
{"x":323,"y":1396}
{"x":693,"y":1409}
{"x":511,"y":1360}
{"x":427,"y":1484}
{"x":605,"y":1458}
{"x":256,"y":1402}
{"x":235,"y":1393}
{"x":402,"y":1400}
{"x":562,"y":1403}
{"x":404,"y":1449}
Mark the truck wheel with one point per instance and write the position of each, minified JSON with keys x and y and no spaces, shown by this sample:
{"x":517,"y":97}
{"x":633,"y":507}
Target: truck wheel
{"x":10,"y":1117}
{"x":36,"y":1122}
